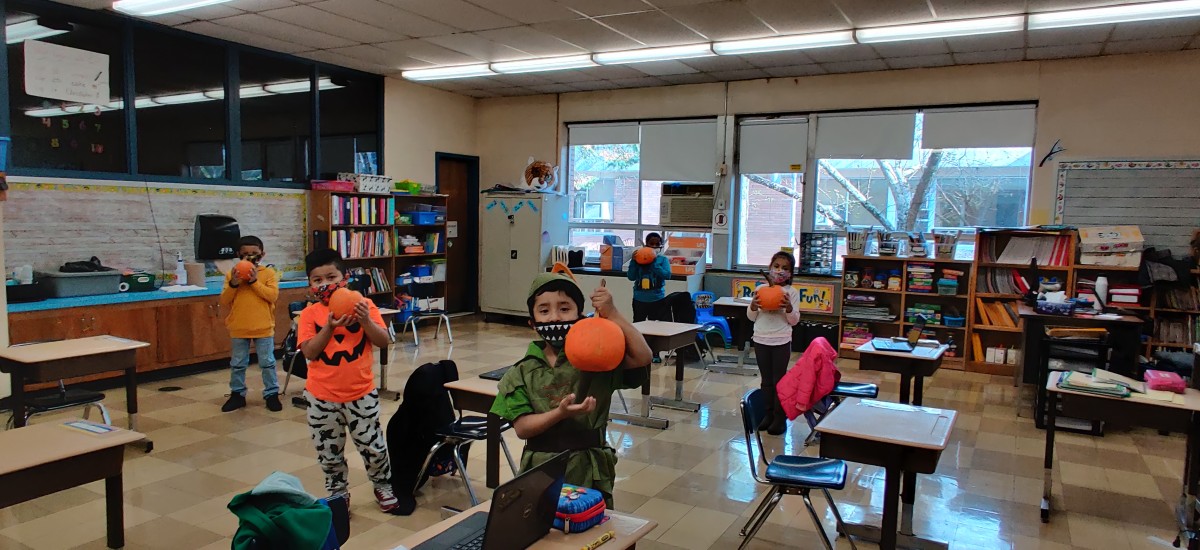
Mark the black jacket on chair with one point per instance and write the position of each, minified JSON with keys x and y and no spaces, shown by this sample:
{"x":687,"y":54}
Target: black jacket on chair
{"x":411,"y":431}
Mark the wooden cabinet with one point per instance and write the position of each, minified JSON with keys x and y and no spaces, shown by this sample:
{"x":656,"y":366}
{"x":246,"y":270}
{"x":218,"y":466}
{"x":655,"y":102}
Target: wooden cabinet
{"x":283,"y":319}
{"x":193,"y":331}
{"x":127,"y":321}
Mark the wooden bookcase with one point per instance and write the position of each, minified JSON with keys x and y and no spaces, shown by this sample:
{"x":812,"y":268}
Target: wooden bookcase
{"x":1153,"y":303}
{"x":898,"y":301}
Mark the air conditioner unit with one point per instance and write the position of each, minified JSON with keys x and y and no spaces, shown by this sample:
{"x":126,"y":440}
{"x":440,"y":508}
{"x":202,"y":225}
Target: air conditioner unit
{"x":686,"y":205}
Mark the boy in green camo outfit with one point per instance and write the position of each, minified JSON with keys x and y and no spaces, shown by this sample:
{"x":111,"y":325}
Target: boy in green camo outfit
{"x":538,"y":394}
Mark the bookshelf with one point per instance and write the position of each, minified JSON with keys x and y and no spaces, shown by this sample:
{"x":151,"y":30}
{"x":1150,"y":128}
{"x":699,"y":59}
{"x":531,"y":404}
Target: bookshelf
{"x":867,"y":306}
{"x":1175,"y":312}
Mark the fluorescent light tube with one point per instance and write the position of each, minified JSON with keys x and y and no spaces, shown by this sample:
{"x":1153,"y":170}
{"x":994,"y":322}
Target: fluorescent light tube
{"x":544,"y":64}
{"x":28,"y":30}
{"x":289,"y":87}
{"x":941,"y":29}
{"x":176,"y":99}
{"x":785,"y":43}
{"x":440,"y":73}
{"x":654,"y":54}
{"x":1114,"y":14}
{"x":147,"y":8}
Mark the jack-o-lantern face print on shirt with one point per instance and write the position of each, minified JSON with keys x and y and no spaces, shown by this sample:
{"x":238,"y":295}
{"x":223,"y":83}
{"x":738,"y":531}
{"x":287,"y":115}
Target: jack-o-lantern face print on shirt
{"x":346,"y":345}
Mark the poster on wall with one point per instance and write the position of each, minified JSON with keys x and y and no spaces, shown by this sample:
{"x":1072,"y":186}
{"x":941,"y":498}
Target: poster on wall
{"x":67,"y":74}
{"x":814,"y":297}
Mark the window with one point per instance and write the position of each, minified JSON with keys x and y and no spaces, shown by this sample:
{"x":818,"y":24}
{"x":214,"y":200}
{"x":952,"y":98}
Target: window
{"x":181,"y":128}
{"x":771,"y":186}
{"x":591,"y":238}
{"x":276,"y":105}
{"x":349,"y":124}
{"x":48,"y":133}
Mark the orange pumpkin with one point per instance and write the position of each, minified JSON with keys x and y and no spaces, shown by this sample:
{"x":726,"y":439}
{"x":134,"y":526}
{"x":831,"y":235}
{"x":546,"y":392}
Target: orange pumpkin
{"x":343,"y":301}
{"x":595,"y":344}
{"x":770,"y":298}
{"x":244,"y":270}
{"x":644,"y":255}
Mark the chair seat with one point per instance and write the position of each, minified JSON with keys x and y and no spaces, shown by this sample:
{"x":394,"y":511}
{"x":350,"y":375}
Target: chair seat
{"x":469,"y":427}
{"x":855,"y":389}
{"x":63,"y":400}
{"x":818,"y":473}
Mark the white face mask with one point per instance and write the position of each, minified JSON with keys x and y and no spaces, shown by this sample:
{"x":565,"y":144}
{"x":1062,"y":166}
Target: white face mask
{"x":779,"y":276}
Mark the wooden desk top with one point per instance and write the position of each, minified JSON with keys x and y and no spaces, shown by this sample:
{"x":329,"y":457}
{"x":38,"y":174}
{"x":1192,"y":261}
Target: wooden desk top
{"x":382,"y":311}
{"x":69,"y":349}
{"x":629,"y":531}
{"x":731,"y":302}
{"x":932,"y":355}
{"x":475,"y":384}
{"x":39,"y":444}
{"x":1026,"y":311}
{"x":664,"y":328}
{"x":906,"y":425}
{"x":1191,"y":397}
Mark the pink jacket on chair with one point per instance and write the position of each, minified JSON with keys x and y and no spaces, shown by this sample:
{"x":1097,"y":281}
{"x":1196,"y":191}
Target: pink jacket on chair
{"x":811,"y":379}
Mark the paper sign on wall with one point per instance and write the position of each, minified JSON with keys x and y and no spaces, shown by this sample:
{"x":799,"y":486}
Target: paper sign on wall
{"x":67,"y":74}
{"x":814,"y":297}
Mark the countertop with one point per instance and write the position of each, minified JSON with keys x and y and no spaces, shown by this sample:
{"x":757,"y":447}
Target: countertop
{"x":614,"y":273}
{"x":214,"y":288}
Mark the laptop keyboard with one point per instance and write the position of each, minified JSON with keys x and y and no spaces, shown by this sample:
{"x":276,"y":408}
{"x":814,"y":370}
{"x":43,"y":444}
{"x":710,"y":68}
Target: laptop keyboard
{"x":471,"y":544}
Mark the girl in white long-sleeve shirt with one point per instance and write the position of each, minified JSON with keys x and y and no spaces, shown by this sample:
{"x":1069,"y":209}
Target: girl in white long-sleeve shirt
{"x":773,"y":338}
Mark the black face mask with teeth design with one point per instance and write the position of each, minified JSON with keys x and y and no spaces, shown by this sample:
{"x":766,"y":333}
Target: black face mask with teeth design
{"x":554,"y":334}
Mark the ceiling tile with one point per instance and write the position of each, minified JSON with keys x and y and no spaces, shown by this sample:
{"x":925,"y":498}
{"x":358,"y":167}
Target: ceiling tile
{"x":589,"y":35}
{"x":1058,"y":52}
{"x":782,"y":15}
{"x":794,"y":71}
{"x":1168,"y":44}
{"x":909,"y":48}
{"x":665,"y":4}
{"x":961,"y":9}
{"x":1068,"y":36}
{"x":528,"y":11}
{"x":875,"y":13}
{"x":778,"y":59}
{"x":838,"y":54}
{"x":1156,"y":29}
{"x":422,"y":50}
{"x":744,"y":74}
{"x":255,"y":6}
{"x":386,"y":16}
{"x":987,"y":42}
{"x":353,"y":62}
{"x":379,"y":56}
{"x":659,"y":68}
{"x":652,"y":29}
{"x":595,"y":85}
{"x":554,"y":89}
{"x":721,"y":20}
{"x":1001,"y":56}
{"x":642,"y":82}
{"x":257,"y":24}
{"x":208,"y":13}
{"x":569,"y":77}
{"x":480,"y":93}
{"x":313,"y":18}
{"x":484,"y":83}
{"x":939,"y":60}
{"x":457,"y":13}
{"x":208,"y":28}
{"x":532,"y":41}
{"x":524,"y":79}
{"x":91,"y":4}
{"x":611,"y":72}
{"x":697,"y":78}
{"x":171,"y":19}
{"x":512,"y":91}
{"x":477,"y":46}
{"x":596,"y":8}
{"x":1053,"y":5}
{"x":855,"y":66}
{"x":718,"y":63}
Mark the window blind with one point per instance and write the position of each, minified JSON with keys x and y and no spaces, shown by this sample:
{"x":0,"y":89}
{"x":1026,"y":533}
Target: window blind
{"x":771,"y":147}
{"x":679,"y":151}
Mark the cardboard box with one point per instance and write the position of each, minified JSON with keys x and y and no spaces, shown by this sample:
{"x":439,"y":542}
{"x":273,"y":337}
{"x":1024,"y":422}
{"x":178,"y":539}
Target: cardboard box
{"x":1119,"y":238}
{"x":612,"y":258}
{"x":1116,"y":259}
{"x":686,"y":254}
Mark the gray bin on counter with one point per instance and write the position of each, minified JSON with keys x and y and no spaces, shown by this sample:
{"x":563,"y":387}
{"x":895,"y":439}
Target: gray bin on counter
{"x":67,"y":285}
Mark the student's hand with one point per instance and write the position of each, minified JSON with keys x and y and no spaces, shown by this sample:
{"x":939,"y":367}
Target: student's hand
{"x":602,"y":301}
{"x":253,"y":276}
{"x":234,"y":281}
{"x":754,"y":305}
{"x":567,"y":407}
{"x":339,"y":321}
{"x":788,"y":303}
{"x":362,"y":312}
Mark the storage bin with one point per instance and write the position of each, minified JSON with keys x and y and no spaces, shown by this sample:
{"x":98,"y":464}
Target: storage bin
{"x":426,"y":218}
{"x":18,"y":294}
{"x":420,"y":270}
{"x":66,"y":285}
{"x":947,"y":287}
{"x":951,"y":321}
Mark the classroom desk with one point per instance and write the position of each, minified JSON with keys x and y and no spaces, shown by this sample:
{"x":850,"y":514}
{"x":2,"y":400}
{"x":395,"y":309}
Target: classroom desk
{"x":912,"y":367}
{"x":47,"y":458}
{"x":731,"y":308}
{"x":905,"y":440}
{"x":385,"y":354}
{"x":1124,"y":333}
{"x":629,"y":530}
{"x":54,"y":361}
{"x":669,"y":337}
{"x":1136,"y":410}
{"x":477,"y":395}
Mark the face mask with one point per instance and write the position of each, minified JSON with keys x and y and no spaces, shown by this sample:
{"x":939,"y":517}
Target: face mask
{"x":324,"y":292}
{"x":778,"y":276}
{"x":554,"y":334}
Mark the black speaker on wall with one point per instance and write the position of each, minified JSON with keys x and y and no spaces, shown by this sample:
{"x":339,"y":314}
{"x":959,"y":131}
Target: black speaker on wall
{"x":216,"y":237}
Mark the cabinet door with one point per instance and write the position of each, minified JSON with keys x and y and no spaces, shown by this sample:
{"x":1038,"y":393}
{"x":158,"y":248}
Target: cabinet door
{"x":283,"y":319}
{"x":191,"y":330}
{"x":526,"y":238}
{"x":494,"y":252}
{"x":42,"y":326}
{"x":132,"y":322}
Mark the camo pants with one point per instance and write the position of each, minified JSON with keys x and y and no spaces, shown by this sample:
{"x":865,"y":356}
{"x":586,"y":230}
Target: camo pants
{"x":327,"y":424}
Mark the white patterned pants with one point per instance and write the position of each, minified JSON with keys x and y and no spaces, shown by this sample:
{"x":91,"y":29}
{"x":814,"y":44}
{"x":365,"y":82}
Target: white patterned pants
{"x":327,"y":424}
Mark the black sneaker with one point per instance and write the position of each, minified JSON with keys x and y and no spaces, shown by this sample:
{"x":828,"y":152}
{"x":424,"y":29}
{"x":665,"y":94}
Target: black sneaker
{"x":234,"y":403}
{"x":273,"y":403}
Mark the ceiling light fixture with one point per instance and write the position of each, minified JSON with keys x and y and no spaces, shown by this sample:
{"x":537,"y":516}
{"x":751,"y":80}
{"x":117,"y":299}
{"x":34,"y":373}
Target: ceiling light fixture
{"x":1114,"y":14}
{"x":544,"y":64}
{"x":668,"y":53}
{"x":784,"y":43}
{"x":32,"y":29}
{"x":178,"y":99}
{"x":941,"y":29}
{"x":148,"y":8}
{"x":441,"y":73}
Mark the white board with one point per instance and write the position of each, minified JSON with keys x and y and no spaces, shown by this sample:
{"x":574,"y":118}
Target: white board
{"x":67,"y":74}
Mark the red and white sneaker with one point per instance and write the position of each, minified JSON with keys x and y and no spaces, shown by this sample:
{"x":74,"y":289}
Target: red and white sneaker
{"x":386,"y":499}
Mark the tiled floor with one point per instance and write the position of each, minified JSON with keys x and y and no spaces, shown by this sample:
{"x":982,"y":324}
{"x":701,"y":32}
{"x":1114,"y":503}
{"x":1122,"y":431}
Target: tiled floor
{"x":1113,"y":492}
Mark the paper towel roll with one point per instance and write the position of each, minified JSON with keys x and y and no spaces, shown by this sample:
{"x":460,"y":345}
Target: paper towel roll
{"x":195,"y":273}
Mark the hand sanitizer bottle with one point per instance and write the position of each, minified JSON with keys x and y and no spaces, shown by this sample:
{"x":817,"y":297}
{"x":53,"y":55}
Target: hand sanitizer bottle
{"x":180,"y":272}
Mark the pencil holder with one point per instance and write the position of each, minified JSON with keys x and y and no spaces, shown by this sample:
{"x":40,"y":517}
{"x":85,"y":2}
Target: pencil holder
{"x":579,"y":509}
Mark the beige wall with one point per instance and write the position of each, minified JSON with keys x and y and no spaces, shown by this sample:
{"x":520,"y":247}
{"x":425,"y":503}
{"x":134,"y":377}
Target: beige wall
{"x":1137,"y":106}
{"x":419,"y":121}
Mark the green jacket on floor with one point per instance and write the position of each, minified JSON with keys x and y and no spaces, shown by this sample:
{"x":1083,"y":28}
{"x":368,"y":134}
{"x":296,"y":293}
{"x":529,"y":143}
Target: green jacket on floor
{"x":278,"y":513}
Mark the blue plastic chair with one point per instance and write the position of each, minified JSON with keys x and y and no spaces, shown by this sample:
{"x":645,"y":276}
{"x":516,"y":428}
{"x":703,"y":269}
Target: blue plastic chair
{"x":705,"y":317}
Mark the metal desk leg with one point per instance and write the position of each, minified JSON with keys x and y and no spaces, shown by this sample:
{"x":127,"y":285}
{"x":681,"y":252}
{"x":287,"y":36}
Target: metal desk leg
{"x":723,"y":364}
{"x":1047,"y":480}
{"x":18,"y":399}
{"x":384,"y":354}
{"x":678,"y":403}
{"x":131,"y":405}
{"x":643,"y":419}
{"x":905,"y":388}
{"x":908,"y":496}
{"x":115,"y":511}
{"x":493,"y":451}
{"x":918,"y":390}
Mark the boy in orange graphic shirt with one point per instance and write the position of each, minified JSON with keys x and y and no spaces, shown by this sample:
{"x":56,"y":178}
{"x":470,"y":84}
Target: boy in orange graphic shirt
{"x":251,"y":322}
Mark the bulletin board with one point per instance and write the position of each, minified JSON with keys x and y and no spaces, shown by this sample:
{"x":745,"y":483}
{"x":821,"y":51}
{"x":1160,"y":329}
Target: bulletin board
{"x":1160,"y":197}
{"x":814,"y":297}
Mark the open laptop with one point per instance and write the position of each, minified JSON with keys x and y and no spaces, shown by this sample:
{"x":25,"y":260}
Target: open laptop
{"x":495,"y":374}
{"x":902,"y":344}
{"x":522,"y":513}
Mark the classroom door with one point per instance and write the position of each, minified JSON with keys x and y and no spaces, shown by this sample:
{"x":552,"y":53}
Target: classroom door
{"x":458,"y":177}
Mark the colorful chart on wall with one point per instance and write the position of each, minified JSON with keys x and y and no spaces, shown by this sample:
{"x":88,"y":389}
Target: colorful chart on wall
{"x":814,"y":297}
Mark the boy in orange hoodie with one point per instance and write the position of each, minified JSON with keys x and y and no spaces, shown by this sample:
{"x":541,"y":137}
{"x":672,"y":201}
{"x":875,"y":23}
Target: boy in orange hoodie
{"x":251,"y":321}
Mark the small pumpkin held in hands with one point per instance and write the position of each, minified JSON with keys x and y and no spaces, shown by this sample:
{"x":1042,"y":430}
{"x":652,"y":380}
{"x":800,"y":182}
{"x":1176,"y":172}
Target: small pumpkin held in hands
{"x":243,"y":270}
{"x":343,"y":302}
{"x":770,"y":298}
{"x":595,"y":344}
{"x":644,"y":256}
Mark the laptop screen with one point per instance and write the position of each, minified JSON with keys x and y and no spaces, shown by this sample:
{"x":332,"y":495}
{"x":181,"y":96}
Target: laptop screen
{"x":523,"y":509}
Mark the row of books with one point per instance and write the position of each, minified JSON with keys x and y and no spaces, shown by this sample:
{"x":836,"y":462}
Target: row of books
{"x":1001,"y":281}
{"x":362,"y":210}
{"x":855,"y":334}
{"x":1177,"y":330}
{"x":371,"y":280}
{"x":864,"y":307}
{"x":1179,"y":298}
{"x":997,"y":313}
{"x":920,"y":277}
{"x":1051,"y":250}
{"x":361,"y":244}
{"x":931,"y":312}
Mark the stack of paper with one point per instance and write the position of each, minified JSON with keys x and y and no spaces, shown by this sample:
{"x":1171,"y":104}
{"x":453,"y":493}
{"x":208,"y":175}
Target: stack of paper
{"x":1080,"y":382}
